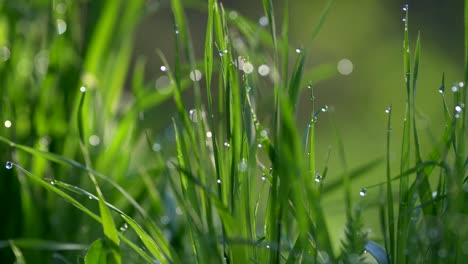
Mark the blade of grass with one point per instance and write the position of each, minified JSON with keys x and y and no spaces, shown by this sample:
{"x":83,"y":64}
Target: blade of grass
{"x":108,"y":225}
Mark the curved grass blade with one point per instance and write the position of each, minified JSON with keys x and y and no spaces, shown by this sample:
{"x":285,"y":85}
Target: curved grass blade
{"x":377,"y":252}
{"x":81,"y":207}
{"x":17,"y":252}
{"x":96,"y":253}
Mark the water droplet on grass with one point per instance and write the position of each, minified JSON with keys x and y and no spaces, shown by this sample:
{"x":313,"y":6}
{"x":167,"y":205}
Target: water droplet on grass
{"x":461,"y":84}
{"x":454,"y":88}
{"x":405,"y":8}
{"x":223,"y":52}
{"x":318,"y":177}
{"x":124,"y":227}
{"x":227,"y":145}
{"x":163,"y":68}
{"x":458,"y":109}
{"x":209,"y":134}
{"x":7,"y":123}
{"x":263,"y":21}
{"x":5,"y":53}
{"x":90,"y":197}
{"x":94,"y":140}
{"x":363,"y":192}
{"x":388,"y":110}
{"x":193,"y":115}
{"x":8,"y":165}
{"x":264,"y":133}
{"x":298,"y":51}
{"x":156,"y":147}
{"x":441,"y":89}
{"x":259,"y":145}
{"x":263,"y":177}
{"x":219,"y":181}
{"x":403,"y":19}
{"x":243,"y":165}
{"x":267,"y":246}
{"x":233,"y":15}
{"x":195,"y":75}
{"x":248,"y":67}
{"x":345,"y":67}
{"x":83,"y":89}
{"x":61,"y":26}
{"x":52,"y":182}
{"x":263,"y":70}
{"x":324,"y":108}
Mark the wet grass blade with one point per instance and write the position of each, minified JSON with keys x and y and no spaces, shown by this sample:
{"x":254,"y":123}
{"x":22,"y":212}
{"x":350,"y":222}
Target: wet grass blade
{"x":405,"y":200}
{"x":390,"y":201}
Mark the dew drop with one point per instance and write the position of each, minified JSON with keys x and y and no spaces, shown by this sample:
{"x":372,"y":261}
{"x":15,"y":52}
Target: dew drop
{"x":263,"y":177}
{"x":405,"y":8}
{"x":325,"y":108}
{"x":388,"y":110}
{"x":298,"y":51}
{"x":309,"y":86}
{"x":267,"y":246}
{"x":52,"y":182}
{"x":458,"y":109}
{"x":227,"y":145}
{"x":156,"y":147}
{"x":4,"y":53}
{"x":318,"y":177}
{"x":345,"y":67}
{"x":193,"y":115}
{"x":82,"y":89}
{"x":263,"y":70}
{"x":454,"y":88}
{"x":209,"y":134}
{"x":441,"y":89}
{"x":94,"y":140}
{"x":243,"y":165}
{"x":223,"y":52}
{"x":264,"y":133}
{"x":219,"y":181}
{"x":8,"y":165}
{"x":403,"y":19}
{"x":195,"y":75}
{"x":124,"y":227}
{"x":259,"y":145}
{"x":363,"y":192}
{"x":233,"y":15}
{"x":90,"y":197}
{"x":263,"y":21}
{"x":163,"y":68}
{"x":7,"y":123}
{"x":461,"y":84}
{"x":248,"y":67}
{"x":61,"y":26}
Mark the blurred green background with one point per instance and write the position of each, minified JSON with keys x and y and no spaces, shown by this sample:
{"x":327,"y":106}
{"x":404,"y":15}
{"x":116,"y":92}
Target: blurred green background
{"x":368,"y":33}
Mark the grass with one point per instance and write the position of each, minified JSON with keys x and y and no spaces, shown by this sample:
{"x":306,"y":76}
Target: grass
{"x":84,"y":182}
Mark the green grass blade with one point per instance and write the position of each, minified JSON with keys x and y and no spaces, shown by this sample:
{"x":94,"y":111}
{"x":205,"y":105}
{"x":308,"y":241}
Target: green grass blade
{"x":390,"y":211}
{"x":296,"y":78}
{"x":39,"y":244}
{"x":405,"y":200}
{"x":17,"y":252}
{"x":150,"y":244}
{"x":321,"y":21}
{"x":96,"y":253}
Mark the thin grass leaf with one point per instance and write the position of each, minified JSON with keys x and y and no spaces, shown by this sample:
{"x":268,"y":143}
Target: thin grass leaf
{"x":390,"y":211}
{"x":78,"y":205}
{"x":321,"y":21}
{"x":296,"y":78}
{"x":39,"y":244}
{"x":96,"y":253}
{"x":17,"y":252}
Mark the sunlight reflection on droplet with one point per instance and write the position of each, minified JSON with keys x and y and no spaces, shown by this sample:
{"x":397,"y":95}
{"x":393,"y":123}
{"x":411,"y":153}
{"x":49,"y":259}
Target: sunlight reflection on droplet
{"x":7,"y":123}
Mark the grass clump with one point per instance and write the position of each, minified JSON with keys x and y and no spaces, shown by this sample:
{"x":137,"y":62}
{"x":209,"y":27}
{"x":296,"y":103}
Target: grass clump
{"x":236,"y":187}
